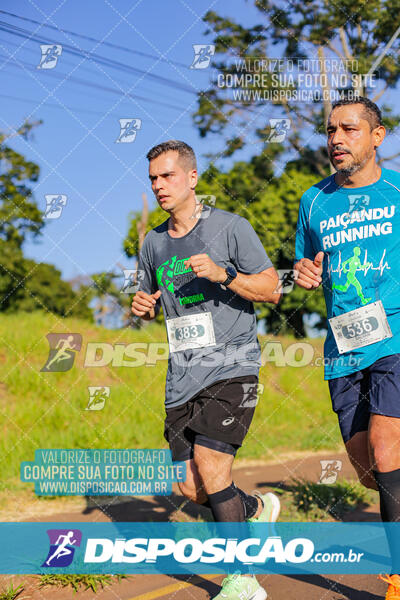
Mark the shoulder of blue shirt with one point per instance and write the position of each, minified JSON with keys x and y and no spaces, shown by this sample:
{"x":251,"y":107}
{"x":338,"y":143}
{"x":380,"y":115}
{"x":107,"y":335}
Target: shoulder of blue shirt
{"x":308,"y":196}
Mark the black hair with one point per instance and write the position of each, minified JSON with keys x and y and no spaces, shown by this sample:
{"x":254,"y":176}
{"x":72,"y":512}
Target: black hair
{"x":371,"y":111}
{"x":185,"y":152}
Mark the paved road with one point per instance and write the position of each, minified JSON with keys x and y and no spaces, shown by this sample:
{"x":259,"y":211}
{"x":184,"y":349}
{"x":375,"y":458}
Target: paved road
{"x":198,"y":587}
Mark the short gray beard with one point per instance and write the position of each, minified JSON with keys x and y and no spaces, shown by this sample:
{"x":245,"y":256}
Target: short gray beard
{"x":353,"y":168}
{"x":350,"y":170}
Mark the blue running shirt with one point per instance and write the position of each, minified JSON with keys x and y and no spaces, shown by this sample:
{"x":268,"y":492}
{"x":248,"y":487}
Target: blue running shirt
{"x":358,"y":229}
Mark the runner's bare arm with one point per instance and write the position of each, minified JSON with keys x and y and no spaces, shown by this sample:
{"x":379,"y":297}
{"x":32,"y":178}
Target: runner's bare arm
{"x":310,"y":272}
{"x":257,"y":287}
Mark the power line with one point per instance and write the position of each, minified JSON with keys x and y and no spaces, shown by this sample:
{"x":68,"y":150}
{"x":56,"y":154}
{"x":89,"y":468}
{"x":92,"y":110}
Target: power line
{"x":92,"y":39}
{"x":75,"y":109}
{"x":69,"y":63}
{"x":103,"y":60}
{"x":110,"y":90}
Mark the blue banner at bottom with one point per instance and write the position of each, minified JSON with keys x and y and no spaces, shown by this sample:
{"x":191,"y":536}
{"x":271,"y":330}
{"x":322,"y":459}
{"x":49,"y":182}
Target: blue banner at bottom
{"x":182,"y":548}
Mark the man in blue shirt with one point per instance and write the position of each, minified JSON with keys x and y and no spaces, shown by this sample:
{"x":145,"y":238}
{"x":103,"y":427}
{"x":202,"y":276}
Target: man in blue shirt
{"x":348,"y":236}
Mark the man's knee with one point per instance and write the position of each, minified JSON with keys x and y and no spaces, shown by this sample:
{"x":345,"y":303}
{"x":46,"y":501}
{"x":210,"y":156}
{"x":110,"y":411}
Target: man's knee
{"x":209,"y":462}
{"x":365,"y":475}
{"x":204,"y":465}
{"x":214,"y":468}
{"x":381,"y":459}
{"x":384,"y":443}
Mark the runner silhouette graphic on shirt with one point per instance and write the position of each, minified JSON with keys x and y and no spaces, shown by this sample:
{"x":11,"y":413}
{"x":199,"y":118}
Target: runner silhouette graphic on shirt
{"x":350,"y":267}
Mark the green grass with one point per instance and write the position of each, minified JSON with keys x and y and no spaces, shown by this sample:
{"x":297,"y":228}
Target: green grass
{"x":10,"y":593}
{"x":77,"y":582}
{"x":46,"y":410}
{"x":294,"y":412}
{"x":305,"y":500}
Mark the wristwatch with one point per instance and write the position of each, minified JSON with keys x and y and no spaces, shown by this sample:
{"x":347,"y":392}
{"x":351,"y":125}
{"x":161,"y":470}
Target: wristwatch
{"x":231,"y":274}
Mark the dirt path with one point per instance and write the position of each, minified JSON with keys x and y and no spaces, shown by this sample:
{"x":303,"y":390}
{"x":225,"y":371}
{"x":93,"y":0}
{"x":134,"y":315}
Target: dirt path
{"x":150,"y":587}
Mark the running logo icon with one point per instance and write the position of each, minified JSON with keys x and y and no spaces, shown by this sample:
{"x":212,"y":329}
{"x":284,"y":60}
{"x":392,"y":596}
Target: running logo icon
{"x":202,"y":208}
{"x":287,"y":277}
{"x":128,"y":130}
{"x":202,"y":55}
{"x":330,"y":470}
{"x":132,"y":281}
{"x":358,"y":202}
{"x":63,"y":543}
{"x":97,"y":397}
{"x":50,"y":55}
{"x":62,"y":351}
{"x":54,"y":205}
{"x":279,"y":129}
{"x":251,"y":394}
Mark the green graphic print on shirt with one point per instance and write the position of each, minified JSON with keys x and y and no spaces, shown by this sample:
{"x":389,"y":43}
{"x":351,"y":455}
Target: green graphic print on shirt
{"x":168,"y":269}
{"x":350,"y":267}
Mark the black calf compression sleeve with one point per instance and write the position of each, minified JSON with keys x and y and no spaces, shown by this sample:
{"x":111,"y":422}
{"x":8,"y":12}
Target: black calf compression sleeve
{"x":389,"y":493}
{"x":227,"y":505}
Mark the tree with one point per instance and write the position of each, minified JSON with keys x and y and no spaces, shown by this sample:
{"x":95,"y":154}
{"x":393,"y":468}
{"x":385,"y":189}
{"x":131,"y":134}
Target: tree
{"x":309,"y":29}
{"x":312,"y":29}
{"x":141,"y":223}
{"x":25,"y":284}
{"x":19,"y":213}
{"x":109,"y":301}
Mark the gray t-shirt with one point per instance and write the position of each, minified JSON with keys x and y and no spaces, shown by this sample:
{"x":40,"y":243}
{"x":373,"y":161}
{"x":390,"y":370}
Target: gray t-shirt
{"x":228,"y":239}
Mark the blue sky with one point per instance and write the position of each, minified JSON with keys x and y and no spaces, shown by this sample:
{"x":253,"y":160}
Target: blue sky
{"x":75,"y":146}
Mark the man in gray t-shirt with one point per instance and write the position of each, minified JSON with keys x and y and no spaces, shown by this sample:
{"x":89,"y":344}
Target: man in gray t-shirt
{"x":231,"y":349}
{"x":206,"y":267}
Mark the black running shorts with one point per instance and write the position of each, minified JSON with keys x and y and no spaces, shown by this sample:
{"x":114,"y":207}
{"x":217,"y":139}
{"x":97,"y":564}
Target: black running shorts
{"x":218,"y":417}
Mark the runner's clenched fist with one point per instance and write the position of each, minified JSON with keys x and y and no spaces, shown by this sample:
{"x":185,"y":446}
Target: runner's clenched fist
{"x":204,"y":266}
{"x":310,"y":272}
{"x":143,"y":303}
